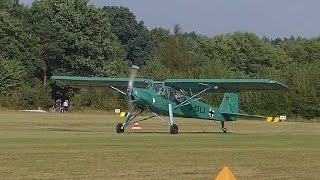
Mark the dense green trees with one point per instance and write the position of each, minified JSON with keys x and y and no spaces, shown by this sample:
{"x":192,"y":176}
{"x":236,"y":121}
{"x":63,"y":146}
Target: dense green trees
{"x":72,"y":37}
{"x":132,"y":34}
{"x":12,"y":75}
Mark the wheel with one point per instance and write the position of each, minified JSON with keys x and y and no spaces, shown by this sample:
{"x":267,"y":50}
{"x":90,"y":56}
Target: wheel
{"x":119,"y":128}
{"x":224,"y":130}
{"x":173,"y":129}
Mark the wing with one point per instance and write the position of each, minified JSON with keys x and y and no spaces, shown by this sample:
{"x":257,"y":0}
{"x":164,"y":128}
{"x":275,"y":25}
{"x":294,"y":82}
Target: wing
{"x":100,"y":82}
{"x":224,"y":85}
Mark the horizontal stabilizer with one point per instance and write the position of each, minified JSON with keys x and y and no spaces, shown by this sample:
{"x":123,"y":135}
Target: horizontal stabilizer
{"x":240,"y":115}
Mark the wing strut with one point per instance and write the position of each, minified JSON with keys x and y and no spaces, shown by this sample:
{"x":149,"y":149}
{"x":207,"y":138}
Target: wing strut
{"x":187,"y":101}
{"x":116,"y":89}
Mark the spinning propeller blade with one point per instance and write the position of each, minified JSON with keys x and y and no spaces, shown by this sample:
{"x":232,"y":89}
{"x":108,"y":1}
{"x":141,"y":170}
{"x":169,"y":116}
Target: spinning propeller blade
{"x":133,"y":74}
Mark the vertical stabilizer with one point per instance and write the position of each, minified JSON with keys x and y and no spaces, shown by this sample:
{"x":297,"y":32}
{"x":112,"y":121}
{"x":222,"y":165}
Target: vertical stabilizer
{"x":229,"y":103}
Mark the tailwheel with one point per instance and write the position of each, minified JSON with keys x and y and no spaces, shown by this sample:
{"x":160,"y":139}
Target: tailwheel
{"x":120,"y":128}
{"x":224,"y":130}
{"x":173,"y":129}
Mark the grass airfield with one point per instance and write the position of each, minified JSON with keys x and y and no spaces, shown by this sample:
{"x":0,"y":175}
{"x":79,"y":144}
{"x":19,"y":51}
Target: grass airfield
{"x":85,"y":146}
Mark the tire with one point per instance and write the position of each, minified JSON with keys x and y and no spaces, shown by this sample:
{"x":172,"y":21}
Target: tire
{"x":119,"y":128}
{"x":174,"y":129}
{"x":224,"y":130}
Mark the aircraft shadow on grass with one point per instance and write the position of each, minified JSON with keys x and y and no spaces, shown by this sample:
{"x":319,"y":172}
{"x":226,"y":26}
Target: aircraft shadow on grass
{"x":185,"y":132}
{"x":68,"y":130}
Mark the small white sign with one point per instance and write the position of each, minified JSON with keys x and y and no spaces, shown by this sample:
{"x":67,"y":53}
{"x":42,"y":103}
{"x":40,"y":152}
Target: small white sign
{"x":283,"y":118}
{"x":117,"y":111}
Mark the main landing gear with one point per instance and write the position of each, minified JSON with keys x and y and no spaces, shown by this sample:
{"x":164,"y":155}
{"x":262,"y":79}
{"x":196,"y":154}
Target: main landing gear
{"x":130,"y":117}
{"x":120,"y":128}
{"x":174,"y":129}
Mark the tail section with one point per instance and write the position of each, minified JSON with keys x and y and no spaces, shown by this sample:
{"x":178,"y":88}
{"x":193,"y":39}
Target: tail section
{"x":229,"y":106}
{"x":229,"y":103}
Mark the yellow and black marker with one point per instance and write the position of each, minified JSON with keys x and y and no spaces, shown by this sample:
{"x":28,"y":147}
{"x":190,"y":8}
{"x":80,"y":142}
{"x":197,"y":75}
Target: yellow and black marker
{"x":123,"y":114}
{"x":273,"y":119}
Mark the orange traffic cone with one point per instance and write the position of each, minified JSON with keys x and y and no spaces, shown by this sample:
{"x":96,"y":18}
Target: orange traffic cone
{"x":225,"y":174}
{"x":136,"y":126}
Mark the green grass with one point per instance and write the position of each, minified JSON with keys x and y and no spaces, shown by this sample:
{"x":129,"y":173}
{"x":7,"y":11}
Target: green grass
{"x":85,"y":146}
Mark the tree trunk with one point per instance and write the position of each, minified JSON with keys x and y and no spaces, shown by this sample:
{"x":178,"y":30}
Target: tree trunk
{"x":44,"y":76}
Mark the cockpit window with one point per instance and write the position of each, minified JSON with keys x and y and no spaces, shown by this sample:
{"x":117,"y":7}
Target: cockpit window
{"x":177,"y":96}
{"x":157,"y":86}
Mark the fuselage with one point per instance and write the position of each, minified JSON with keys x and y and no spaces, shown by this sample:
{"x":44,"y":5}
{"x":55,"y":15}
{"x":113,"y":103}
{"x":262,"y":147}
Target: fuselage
{"x":183,"y":106}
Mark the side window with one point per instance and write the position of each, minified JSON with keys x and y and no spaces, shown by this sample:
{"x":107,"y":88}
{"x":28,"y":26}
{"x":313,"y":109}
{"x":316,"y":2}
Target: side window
{"x":179,"y":97}
{"x":176,"y":96}
{"x":159,"y":88}
{"x":171,"y":94}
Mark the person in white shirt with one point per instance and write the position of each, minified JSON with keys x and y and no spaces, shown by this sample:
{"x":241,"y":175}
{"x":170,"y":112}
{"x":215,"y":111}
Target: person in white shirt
{"x":65,"y":106}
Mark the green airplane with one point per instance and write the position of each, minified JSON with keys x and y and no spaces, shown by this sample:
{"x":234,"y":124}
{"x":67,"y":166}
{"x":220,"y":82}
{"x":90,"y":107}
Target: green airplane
{"x":175,"y":97}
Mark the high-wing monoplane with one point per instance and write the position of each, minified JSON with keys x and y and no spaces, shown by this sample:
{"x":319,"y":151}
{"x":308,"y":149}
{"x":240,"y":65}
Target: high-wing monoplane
{"x":175,"y":97}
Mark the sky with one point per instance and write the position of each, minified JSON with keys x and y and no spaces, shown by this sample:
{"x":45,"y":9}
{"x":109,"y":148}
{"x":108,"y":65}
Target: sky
{"x":270,"y":18}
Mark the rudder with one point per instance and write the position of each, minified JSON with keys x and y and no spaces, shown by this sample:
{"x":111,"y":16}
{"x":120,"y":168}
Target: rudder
{"x":229,"y":103}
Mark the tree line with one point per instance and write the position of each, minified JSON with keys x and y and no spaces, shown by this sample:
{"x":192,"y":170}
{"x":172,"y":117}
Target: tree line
{"x":74,"y":37}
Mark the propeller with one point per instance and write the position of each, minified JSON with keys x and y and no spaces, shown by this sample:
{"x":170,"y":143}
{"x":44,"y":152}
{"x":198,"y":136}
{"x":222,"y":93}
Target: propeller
{"x":133,"y":74}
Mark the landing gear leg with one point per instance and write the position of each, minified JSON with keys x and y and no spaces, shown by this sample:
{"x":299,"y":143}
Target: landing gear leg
{"x":120,"y":126}
{"x":173,"y":127}
{"x":224,"y":130}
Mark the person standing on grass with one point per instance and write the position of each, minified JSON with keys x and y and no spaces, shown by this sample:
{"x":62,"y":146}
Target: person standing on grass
{"x":58,"y":105}
{"x":65,"y":105}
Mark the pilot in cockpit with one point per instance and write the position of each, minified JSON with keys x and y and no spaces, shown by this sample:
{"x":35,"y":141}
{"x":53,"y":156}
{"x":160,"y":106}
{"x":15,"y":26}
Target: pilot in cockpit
{"x":159,"y":88}
{"x":179,"y":96}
